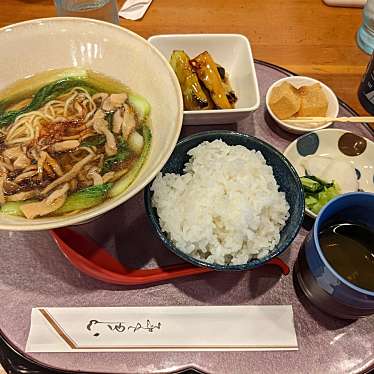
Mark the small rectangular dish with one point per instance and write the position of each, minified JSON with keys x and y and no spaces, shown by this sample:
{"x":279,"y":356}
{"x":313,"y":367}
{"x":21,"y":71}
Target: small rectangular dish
{"x":233,"y":52}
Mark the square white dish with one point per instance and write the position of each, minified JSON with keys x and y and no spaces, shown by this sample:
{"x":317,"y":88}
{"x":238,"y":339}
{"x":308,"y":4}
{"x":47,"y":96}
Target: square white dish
{"x":233,"y":52}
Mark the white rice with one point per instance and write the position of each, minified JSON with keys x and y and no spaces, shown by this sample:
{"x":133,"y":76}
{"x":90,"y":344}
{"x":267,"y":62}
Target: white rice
{"x":226,"y":208}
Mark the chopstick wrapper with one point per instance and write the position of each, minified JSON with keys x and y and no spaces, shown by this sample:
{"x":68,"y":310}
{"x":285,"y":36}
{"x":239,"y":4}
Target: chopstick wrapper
{"x":181,"y":328}
{"x":134,"y":9}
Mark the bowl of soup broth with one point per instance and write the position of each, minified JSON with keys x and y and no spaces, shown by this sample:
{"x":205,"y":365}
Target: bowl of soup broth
{"x":88,"y":117}
{"x":335,"y":266}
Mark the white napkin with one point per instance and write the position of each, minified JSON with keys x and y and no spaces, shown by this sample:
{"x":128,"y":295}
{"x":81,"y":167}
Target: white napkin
{"x":181,"y":328}
{"x":134,"y":9}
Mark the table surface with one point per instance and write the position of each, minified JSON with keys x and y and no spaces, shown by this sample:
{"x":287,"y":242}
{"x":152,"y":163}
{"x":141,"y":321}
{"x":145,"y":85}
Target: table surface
{"x":304,"y":36}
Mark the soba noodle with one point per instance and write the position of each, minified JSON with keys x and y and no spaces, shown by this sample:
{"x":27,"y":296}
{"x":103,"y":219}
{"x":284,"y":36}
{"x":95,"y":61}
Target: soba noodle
{"x":62,"y":152}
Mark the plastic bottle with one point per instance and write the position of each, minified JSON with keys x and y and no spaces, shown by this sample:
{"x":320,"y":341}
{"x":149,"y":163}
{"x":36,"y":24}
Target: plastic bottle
{"x":365,"y":34}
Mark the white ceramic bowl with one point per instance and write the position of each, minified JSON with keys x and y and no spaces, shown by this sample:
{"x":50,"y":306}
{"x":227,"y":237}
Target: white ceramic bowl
{"x":39,"y":45}
{"x":233,"y":52}
{"x":298,"y":81}
{"x":333,"y":143}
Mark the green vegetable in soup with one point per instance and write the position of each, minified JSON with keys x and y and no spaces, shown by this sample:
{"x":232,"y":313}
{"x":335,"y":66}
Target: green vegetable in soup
{"x":85,"y":198}
{"x":109,"y":118}
{"x":43,"y":95}
{"x":122,"y":154}
{"x":141,"y":106}
{"x":13,"y":208}
{"x":126,"y":180}
{"x":94,"y":141}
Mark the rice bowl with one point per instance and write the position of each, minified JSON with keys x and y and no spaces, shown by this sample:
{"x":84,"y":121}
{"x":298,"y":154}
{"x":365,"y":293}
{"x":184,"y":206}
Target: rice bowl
{"x":284,"y":174}
{"x":229,"y":207}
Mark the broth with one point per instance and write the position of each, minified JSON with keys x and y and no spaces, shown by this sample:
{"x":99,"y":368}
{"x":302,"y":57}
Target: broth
{"x":349,"y":249}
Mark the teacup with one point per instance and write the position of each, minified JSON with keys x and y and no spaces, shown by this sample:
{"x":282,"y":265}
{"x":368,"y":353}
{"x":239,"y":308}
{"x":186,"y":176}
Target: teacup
{"x":320,"y":282}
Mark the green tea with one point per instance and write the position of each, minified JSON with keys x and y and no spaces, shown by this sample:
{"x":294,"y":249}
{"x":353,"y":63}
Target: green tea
{"x":349,"y":249}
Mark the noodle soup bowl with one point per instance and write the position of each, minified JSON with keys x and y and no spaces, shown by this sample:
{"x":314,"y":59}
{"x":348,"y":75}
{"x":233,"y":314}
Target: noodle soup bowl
{"x":48,"y":45}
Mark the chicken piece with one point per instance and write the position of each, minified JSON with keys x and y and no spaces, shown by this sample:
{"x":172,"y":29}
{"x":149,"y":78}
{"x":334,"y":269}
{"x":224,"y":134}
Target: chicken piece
{"x":101,"y":127}
{"x":99,"y":97}
{"x":21,"y":162}
{"x":117,"y":120}
{"x":21,"y":159}
{"x":4,"y":167}
{"x":72,"y":173}
{"x":41,"y":208}
{"x":128,"y":123}
{"x":124,"y":119}
{"x":64,"y":146}
{"x":98,"y":114}
{"x":114,"y":101}
{"x":8,"y":163}
{"x":13,"y":152}
{"x":21,"y":196}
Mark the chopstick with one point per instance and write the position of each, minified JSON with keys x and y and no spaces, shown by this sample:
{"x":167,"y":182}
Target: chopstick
{"x":330,"y":119}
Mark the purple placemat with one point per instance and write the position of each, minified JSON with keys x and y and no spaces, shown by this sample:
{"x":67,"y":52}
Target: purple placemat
{"x":34,"y":273}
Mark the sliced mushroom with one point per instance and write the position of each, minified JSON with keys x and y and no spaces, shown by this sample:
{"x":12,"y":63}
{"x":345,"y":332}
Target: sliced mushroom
{"x":21,"y":196}
{"x":118,"y":174}
{"x":41,"y":160}
{"x":108,"y":176}
{"x":101,"y":126}
{"x":2,"y":197}
{"x":73,"y":184}
{"x":114,"y":101}
{"x":70,"y":174}
{"x":26,"y":175}
{"x":93,"y":174}
{"x":64,"y":146}
{"x":10,"y":187}
{"x":31,"y":167}
{"x":54,"y":165}
{"x":41,"y":208}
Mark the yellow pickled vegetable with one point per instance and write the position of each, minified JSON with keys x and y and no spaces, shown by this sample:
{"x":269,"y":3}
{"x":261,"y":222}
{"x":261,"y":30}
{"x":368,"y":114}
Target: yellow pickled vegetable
{"x":207,"y":71}
{"x":194,"y":97}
